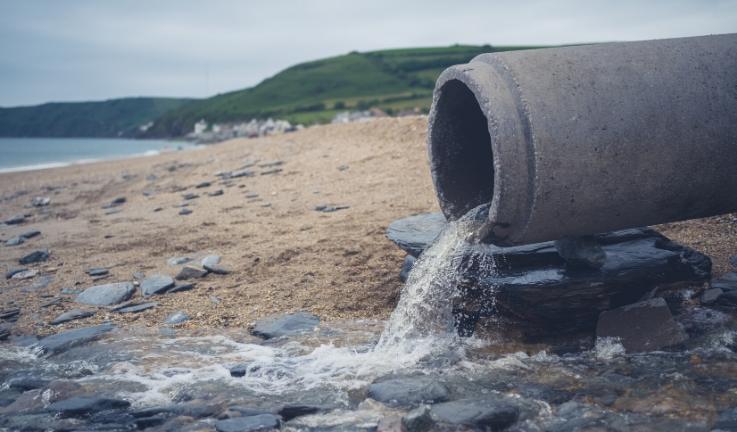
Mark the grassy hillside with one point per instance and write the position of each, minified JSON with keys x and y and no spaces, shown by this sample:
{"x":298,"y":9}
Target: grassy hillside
{"x":111,"y":118}
{"x":314,"y":91}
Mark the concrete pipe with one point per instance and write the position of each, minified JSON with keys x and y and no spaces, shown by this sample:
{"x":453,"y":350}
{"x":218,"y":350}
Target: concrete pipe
{"x":586,"y":139}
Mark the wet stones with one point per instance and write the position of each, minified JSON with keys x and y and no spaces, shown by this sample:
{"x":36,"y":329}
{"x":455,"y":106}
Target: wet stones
{"x":289,"y":412}
{"x":489,"y":413}
{"x":71,"y":315}
{"x":86,"y":405}
{"x":35,"y":257}
{"x":156,"y":284}
{"x":643,"y":326}
{"x":60,"y":342}
{"x":258,"y":422}
{"x":106,"y":295}
{"x":408,"y":391}
{"x":285,"y":325}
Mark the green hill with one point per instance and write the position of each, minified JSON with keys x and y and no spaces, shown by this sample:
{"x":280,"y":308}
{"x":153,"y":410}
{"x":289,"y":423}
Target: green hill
{"x":315,"y":91}
{"x":111,"y":118}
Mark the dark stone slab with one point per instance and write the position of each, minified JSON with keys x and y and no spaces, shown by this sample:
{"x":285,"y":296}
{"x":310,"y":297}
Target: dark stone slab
{"x":534,"y":285}
{"x":415,"y":233}
{"x":185,"y":211}
{"x":35,"y":256}
{"x":60,"y":342}
{"x":71,"y":315}
{"x":156,"y":284}
{"x":82,"y":406}
{"x":408,"y":391}
{"x":285,"y":325}
{"x":178,"y":287}
{"x":488,"y":413}
{"x":217,"y":192}
{"x":106,"y":295}
{"x":260,"y":422}
{"x":643,"y":326}
{"x":203,"y":184}
{"x":584,"y":251}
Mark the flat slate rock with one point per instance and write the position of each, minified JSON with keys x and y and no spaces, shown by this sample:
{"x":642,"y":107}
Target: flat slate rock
{"x":488,"y":413}
{"x":583,"y":251}
{"x":107,"y":295}
{"x":190,"y":272}
{"x":60,"y":342}
{"x":135,"y":308}
{"x":177,"y":261}
{"x":97,"y":271}
{"x":15,"y":220}
{"x":35,"y":256}
{"x":534,"y":285}
{"x":642,"y":326}
{"x":156,"y":284}
{"x":408,"y":391}
{"x":415,"y":233}
{"x":71,"y":315}
{"x":15,"y":241}
{"x":85,"y":405}
{"x":260,"y":422}
{"x":10,"y":273}
{"x":285,"y":325}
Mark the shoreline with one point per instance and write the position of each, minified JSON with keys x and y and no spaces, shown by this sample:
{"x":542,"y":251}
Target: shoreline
{"x":45,"y":165}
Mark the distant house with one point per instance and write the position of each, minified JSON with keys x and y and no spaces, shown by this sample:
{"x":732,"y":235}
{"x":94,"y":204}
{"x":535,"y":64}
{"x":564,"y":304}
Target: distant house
{"x":200,"y":127}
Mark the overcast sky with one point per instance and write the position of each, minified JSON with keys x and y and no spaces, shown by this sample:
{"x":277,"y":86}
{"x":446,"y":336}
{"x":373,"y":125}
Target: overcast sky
{"x":90,"y":50}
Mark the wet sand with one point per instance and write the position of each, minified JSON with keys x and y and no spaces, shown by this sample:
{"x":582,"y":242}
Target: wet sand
{"x":283,"y":254}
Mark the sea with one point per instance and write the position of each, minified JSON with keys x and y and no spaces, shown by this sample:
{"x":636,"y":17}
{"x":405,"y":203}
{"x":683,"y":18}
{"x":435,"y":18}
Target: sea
{"x":23,"y":154}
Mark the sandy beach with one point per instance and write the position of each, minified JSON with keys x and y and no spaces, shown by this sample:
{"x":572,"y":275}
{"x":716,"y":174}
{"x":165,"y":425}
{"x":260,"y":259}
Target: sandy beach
{"x":283,"y":254}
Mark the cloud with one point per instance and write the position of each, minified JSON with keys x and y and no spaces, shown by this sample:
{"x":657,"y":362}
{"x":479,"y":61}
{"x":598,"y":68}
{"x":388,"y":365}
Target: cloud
{"x":83,"y":50}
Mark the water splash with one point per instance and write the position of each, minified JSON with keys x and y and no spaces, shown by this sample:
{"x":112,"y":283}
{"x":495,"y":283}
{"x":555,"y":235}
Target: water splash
{"x":425,"y":308}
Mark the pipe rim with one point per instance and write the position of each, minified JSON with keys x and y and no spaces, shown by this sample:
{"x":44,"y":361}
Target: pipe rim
{"x":510,"y":143}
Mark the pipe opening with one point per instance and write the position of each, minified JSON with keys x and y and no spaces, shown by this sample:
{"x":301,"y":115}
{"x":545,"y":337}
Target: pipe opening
{"x":460,"y":148}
